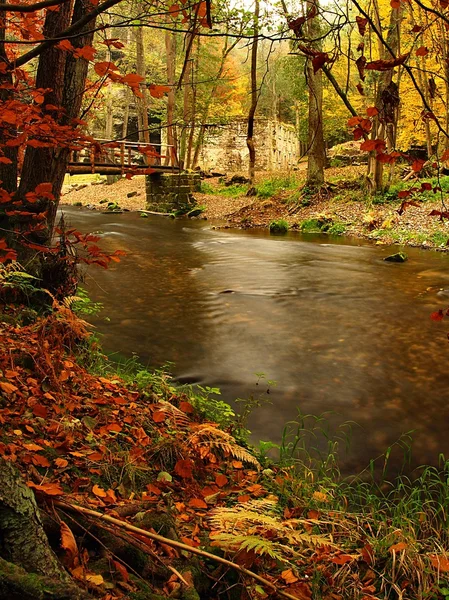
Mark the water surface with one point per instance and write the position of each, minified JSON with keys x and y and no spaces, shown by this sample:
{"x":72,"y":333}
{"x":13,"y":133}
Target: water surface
{"x":338,"y":328}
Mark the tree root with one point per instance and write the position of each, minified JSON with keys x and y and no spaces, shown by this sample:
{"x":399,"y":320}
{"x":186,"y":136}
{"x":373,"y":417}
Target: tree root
{"x":18,"y":584}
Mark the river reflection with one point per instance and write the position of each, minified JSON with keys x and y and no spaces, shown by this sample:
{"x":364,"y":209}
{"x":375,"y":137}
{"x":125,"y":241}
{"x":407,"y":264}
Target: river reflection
{"x":337,"y":328}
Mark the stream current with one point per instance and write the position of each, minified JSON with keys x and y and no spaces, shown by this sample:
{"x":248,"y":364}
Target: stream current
{"x":334,"y":325}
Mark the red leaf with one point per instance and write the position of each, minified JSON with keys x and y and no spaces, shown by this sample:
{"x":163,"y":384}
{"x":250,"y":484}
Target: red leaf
{"x":342,"y":559}
{"x":417,"y":29}
{"x":319,"y":60}
{"x":40,"y":411}
{"x":186,"y":407}
{"x":386,"y":65}
{"x":418,"y":164}
{"x":184,"y":468}
{"x":65,"y":45}
{"x":361,"y":65}
{"x":395,"y":3}
{"x":372,"y":111}
{"x":422,"y":51}
{"x":437,"y":316}
{"x":361,"y":24}
{"x":157,"y":91}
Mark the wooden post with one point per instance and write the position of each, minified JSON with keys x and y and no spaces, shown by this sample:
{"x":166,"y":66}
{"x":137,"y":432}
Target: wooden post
{"x":92,"y":159}
{"x":122,"y":157}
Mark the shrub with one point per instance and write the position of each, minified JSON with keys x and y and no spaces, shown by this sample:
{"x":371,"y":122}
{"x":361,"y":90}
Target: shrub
{"x":279,"y":226}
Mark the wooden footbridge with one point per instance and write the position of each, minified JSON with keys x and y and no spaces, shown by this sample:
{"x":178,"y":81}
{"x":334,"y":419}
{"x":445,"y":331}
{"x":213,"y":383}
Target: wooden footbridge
{"x":111,"y":157}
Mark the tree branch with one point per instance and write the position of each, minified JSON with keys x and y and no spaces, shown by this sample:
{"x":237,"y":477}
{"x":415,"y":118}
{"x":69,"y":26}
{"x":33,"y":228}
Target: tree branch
{"x":75,"y":28}
{"x":26,"y":8}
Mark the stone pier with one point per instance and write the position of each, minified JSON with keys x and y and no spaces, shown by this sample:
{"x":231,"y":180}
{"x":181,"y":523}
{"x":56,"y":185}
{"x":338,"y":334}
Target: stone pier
{"x":170,"y":192}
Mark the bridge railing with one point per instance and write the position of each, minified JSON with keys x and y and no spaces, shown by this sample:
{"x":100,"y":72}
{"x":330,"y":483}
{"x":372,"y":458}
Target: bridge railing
{"x":124,"y":155}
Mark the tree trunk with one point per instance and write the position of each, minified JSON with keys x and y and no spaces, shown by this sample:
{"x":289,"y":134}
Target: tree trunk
{"x":142,"y":103}
{"x":170,"y":48}
{"x":316,"y":158}
{"x":387,"y":102}
{"x":254,"y":97}
{"x":43,"y":165}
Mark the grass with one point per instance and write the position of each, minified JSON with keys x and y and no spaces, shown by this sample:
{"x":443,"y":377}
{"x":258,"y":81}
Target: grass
{"x":268,"y":188}
{"x":405,"y":236}
{"x":278,"y":226}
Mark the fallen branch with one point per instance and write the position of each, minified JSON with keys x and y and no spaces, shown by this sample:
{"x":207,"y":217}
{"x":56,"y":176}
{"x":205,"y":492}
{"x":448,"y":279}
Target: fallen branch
{"x":153,"y":212}
{"x":174,"y":544}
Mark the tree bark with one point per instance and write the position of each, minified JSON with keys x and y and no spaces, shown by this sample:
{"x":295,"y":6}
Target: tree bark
{"x":254,"y":97}
{"x":170,"y":47}
{"x":142,"y":103}
{"x":387,"y":100}
{"x":316,"y":156}
{"x":24,"y":547}
{"x":49,"y":165}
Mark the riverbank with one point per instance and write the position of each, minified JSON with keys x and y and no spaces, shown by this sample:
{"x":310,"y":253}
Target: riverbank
{"x":147,"y":491}
{"x":343,"y":208}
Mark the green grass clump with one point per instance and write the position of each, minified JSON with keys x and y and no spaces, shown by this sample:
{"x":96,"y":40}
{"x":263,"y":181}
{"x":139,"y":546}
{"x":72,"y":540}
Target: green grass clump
{"x":271,"y":187}
{"x":278,"y":226}
{"x":337,"y":229}
{"x":439,"y":238}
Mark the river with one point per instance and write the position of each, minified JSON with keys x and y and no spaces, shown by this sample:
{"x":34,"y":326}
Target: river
{"x":335,"y":326}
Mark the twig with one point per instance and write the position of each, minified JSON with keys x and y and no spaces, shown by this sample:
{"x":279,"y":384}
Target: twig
{"x":174,"y":544}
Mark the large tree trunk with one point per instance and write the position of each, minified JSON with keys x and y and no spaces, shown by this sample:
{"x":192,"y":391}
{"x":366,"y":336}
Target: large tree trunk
{"x":387,"y":100}
{"x":316,"y":157}
{"x":254,"y":97}
{"x":24,"y":544}
{"x":49,"y":165}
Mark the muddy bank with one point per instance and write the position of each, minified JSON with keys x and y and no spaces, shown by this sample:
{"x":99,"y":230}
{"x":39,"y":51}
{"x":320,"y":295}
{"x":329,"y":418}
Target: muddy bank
{"x":343,"y":207}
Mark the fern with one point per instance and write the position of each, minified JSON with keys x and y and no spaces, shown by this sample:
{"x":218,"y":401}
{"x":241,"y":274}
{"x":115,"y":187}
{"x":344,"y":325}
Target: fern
{"x":179,"y":417}
{"x":247,"y":526}
{"x":208,"y":436}
{"x":237,"y":543}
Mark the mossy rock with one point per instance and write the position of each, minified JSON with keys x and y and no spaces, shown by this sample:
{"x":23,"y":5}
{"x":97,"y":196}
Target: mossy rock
{"x":399,"y":257}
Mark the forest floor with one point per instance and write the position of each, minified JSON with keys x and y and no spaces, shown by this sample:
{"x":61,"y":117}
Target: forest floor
{"x":148,"y":491}
{"x":343,"y":207}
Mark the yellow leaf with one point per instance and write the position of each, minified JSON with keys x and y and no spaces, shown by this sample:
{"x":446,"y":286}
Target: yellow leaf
{"x":94,"y":579}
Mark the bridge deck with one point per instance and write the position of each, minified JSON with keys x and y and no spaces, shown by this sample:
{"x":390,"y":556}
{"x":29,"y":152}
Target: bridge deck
{"x":111,"y":157}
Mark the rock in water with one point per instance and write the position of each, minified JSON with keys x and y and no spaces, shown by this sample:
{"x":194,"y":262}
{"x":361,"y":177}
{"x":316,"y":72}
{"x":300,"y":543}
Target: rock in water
{"x":399,"y":257}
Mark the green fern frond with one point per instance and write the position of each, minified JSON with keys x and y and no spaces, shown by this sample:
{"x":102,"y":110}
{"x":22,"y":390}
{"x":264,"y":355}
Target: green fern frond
{"x":259,"y":545}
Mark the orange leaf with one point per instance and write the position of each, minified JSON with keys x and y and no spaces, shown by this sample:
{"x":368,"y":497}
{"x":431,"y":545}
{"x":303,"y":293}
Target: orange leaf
{"x":372,"y":111}
{"x":61,"y":462}
{"x":98,"y":491}
{"x":65,"y":45}
{"x":398,"y":547}
{"x":159,"y":416}
{"x":33,"y":447}
{"x":157,"y":91}
{"x":186,"y":407}
{"x":40,"y":461}
{"x":221,"y":480}
{"x":50,"y":489}
{"x":244,"y":498}
{"x":289,"y":577}
{"x":68,"y":542}
{"x":197,"y":503}
{"x":8,"y":388}
{"x":440,"y":562}
{"x":237,"y":464}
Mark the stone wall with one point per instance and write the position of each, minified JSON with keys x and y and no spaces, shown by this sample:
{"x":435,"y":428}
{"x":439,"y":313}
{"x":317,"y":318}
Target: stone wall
{"x":169,"y":192}
{"x":225,"y":150}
